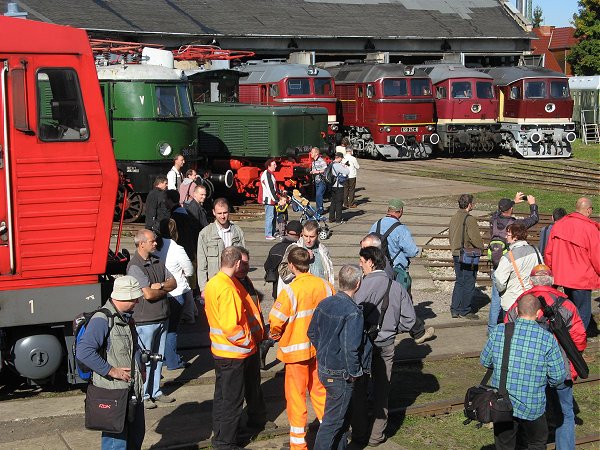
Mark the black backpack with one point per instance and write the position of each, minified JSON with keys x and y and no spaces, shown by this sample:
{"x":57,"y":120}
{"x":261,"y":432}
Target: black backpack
{"x":498,"y":244}
{"x":329,"y":174}
{"x":384,"y":238}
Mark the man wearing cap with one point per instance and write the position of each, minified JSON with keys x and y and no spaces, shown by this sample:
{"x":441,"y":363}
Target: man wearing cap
{"x":152,"y":312}
{"x":109,"y":347}
{"x":573,"y":253}
{"x":293,"y":229}
{"x":498,"y":223}
{"x":560,"y":398}
{"x":340,"y":172}
{"x":400,"y":243}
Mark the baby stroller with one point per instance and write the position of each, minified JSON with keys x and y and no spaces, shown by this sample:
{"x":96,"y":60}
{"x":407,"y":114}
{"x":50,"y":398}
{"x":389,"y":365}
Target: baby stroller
{"x":301,"y":204}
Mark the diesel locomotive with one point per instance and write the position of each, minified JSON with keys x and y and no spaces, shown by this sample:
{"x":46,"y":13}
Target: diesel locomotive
{"x":465,"y":108}
{"x":534,"y":111}
{"x":53,"y":237}
{"x":386,"y":110}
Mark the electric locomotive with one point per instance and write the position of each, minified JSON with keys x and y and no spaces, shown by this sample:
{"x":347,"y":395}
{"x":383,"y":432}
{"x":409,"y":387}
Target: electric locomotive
{"x":239,"y":138}
{"x":535,"y":111}
{"x":53,"y":236}
{"x":278,"y":83}
{"x":386,"y":110}
{"x":466,"y":108}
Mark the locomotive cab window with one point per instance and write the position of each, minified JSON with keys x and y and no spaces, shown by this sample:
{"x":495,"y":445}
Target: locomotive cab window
{"x":559,"y":89}
{"x":298,"y":86}
{"x":173,"y":101}
{"x":370,"y":91}
{"x":535,"y":89}
{"x":515,"y":93}
{"x":440,"y":92}
{"x":484,"y":89}
{"x":323,"y":86}
{"x":462,"y":89}
{"x":274,"y":90}
{"x":393,"y":88}
{"x":420,"y":86}
{"x":61,"y":115}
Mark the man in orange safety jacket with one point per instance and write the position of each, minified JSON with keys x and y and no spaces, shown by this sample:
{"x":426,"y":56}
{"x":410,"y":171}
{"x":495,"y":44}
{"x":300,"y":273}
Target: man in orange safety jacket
{"x":289,"y":320}
{"x":235,"y":332}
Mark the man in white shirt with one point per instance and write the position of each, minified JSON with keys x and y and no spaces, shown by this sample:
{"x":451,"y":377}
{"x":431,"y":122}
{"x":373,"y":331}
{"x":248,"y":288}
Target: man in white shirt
{"x":350,"y":186}
{"x":175,"y":177}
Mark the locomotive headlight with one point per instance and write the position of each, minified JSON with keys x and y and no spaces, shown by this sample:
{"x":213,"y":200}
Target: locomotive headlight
{"x":387,"y":129}
{"x":430,"y":127}
{"x":165,"y":149}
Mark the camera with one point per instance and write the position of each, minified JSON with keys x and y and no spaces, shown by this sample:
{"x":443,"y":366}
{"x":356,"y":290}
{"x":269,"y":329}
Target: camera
{"x":524,"y":197}
{"x":147,"y":356}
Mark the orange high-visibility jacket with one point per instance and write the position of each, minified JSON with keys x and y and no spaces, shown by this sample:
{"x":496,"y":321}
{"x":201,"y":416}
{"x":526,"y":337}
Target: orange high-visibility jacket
{"x":229,"y":318}
{"x":291,"y":315}
{"x":257,"y":327}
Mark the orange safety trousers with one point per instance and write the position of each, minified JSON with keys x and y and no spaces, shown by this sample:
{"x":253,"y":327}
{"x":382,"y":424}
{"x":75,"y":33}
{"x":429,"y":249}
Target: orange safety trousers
{"x":300,"y":377}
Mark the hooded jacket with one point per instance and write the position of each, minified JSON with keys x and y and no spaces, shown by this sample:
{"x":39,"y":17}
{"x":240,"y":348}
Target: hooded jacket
{"x":573,"y":252}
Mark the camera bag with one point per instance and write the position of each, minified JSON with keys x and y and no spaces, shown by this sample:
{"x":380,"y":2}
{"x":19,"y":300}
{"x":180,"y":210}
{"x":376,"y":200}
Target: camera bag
{"x":468,"y":256}
{"x":486,"y":404}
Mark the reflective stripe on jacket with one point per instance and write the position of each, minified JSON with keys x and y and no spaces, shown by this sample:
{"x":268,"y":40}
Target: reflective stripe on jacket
{"x":229,"y":318}
{"x":291,"y":315}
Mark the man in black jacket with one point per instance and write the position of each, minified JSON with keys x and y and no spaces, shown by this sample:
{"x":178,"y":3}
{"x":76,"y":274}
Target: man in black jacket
{"x":196,"y":210}
{"x":156,"y":209}
{"x":293,"y":229}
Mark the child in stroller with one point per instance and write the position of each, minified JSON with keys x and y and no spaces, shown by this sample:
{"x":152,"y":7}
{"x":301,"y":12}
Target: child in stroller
{"x":301,"y":204}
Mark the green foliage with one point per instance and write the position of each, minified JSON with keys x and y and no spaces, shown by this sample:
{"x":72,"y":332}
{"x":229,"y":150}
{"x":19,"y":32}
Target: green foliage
{"x":585,"y":56}
{"x":538,"y":16}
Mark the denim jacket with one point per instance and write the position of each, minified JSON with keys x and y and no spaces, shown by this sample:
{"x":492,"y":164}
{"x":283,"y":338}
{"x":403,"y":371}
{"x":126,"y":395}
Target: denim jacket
{"x":337,"y":332}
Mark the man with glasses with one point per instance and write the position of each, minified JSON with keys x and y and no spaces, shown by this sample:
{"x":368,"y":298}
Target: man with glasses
{"x":573,"y":254}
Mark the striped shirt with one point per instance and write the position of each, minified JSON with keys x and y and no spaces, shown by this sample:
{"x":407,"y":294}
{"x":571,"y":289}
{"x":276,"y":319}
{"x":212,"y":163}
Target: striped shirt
{"x":534,"y":362}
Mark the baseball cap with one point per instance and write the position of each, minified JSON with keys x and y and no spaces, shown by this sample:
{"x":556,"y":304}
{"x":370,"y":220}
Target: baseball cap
{"x":505,"y":204}
{"x":339,"y":155}
{"x":395,"y":204}
{"x":541,"y":269}
{"x":295,"y":226}
{"x":126,"y":289}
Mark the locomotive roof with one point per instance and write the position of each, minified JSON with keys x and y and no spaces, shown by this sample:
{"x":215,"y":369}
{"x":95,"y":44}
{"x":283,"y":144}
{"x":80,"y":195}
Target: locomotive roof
{"x":507,"y":75}
{"x":441,"y":72}
{"x":139,"y":72}
{"x":273,"y":72}
{"x":591,"y":82}
{"x":364,"y":73}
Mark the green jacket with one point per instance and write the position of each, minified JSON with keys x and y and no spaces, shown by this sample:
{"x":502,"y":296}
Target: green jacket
{"x":471,"y":232}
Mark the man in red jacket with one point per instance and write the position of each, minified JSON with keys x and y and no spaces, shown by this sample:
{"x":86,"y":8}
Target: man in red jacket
{"x":573,"y":254}
{"x":561,"y":397}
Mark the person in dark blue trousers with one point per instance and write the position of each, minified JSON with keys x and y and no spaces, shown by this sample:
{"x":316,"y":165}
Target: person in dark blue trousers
{"x":343,"y":355}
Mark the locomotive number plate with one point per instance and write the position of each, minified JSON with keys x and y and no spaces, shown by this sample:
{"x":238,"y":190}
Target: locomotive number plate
{"x":409,"y":129}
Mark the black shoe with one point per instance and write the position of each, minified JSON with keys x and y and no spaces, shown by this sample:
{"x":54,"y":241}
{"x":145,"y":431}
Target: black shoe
{"x":470,"y":316}
{"x":454,"y":315}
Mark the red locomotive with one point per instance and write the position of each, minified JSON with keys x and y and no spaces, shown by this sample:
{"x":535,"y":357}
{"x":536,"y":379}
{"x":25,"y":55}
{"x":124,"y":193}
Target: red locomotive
{"x":277,"y":83}
{"x":535,"y":111}
{"x":386,"y":110}
{"x":466,"y":108}
{"x":59,"y":182}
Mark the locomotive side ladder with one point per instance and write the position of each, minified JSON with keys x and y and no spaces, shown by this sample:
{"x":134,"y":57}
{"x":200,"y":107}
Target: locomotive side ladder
{"x":590,"y":134}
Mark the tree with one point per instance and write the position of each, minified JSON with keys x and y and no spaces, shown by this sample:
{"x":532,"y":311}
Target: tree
{"x":538,"y":16}
{"x":585,"y":56}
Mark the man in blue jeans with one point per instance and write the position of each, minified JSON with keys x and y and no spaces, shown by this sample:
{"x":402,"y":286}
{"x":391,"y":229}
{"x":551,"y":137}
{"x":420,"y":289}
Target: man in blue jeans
{"x":343,"y":355}
{"x":318,"y":167}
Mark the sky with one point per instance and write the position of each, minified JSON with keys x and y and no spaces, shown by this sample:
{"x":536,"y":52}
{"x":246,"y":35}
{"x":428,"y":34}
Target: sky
{"x":557,"y":12}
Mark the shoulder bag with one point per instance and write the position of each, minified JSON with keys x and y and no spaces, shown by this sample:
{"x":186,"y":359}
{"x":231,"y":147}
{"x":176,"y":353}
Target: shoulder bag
{"x":107,"y":409}
{"x":486,"y":404}
{"x":468,"y":256}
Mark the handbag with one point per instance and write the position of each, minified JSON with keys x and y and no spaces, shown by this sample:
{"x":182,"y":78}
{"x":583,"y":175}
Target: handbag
{"x":468,"y":256}
{"x":106,"y":409}
{"x":486,"y":404}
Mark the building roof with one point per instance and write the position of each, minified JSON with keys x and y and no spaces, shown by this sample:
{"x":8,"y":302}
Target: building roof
{"x":562,"y":38}
{"x":417,"y":19}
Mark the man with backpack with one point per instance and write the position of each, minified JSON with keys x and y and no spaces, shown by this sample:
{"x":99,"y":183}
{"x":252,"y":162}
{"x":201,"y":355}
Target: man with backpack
{"x":317,"y":170}
{"x":109,"y":348}
{"x":499,"y":221}
{"x":396,"y":241}
{"x":339,"y":177}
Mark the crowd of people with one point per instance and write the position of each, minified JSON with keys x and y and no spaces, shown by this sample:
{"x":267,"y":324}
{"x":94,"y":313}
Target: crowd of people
{"x":337,"y":345}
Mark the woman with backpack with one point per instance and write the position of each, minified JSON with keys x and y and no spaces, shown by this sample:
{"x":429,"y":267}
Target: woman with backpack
{"x":512,"y":274}
{"x":340,"y":173}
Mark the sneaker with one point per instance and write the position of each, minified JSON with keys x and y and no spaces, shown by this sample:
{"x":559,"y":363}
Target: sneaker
{"x":376,"y":443}
{"x":429,"y":334}
{"x":164,"y":399}
{"x":454,"y":315}
{"x":469,"y":316}
{"x":269,"y":238}
{"x":149,"y":404}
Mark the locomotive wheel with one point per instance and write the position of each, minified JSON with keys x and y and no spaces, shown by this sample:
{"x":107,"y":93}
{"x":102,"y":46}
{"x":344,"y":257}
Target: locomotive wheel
{"x":135,"y":207}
